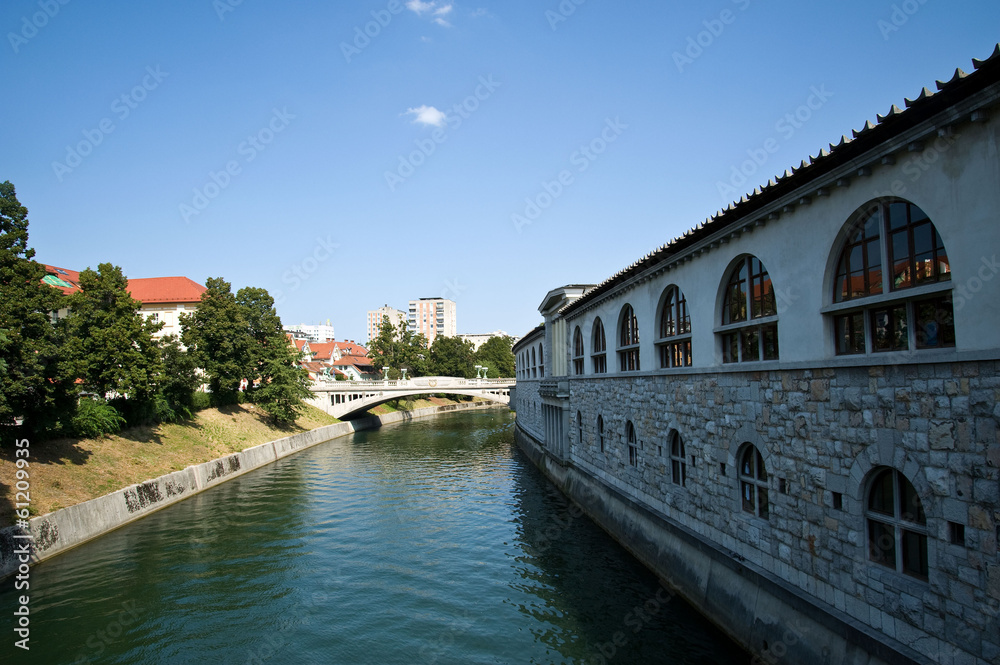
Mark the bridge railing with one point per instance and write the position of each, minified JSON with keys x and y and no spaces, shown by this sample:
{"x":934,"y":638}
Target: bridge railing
{"x":430,"y":382}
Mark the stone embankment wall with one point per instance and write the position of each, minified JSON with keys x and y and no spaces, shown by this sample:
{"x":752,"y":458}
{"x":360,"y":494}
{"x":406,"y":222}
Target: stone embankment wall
{"x":821,"y":434}
{"x":66,"y":528}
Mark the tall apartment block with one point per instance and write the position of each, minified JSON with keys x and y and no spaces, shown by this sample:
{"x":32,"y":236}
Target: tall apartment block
{"x":432,"y":317}
{"x":375,"y":316}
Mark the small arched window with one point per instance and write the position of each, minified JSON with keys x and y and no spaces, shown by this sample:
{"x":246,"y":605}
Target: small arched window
{"x":600,"y":432}
{"x":541,"y":361}
{"x":675,"y":331}
{"x":633,"y":444}
{"x":628,"y":341}
{"x":750,"y":313}
{"x":578,"y":352}
{"x":599,"y":348}
{"x":753,"y":482}
{"x":897,"y":525}
{"x":579,"y":429}
{"x":534,"y":364}
{"x":678,"y":464}
{"x":892,"y":248}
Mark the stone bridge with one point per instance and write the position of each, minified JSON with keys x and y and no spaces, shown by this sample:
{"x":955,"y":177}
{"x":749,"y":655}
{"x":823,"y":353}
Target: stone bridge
{"x":344,"y":399}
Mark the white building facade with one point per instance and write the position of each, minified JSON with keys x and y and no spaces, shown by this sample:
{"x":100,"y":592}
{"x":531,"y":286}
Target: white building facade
{"x":432,"y":317}
{"x":396,"y":316}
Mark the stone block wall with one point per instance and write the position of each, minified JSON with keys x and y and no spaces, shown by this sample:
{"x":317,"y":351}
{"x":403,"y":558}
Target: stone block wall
{"x":821,"y":434}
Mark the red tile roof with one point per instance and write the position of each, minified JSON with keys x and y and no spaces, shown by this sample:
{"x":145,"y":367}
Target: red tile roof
{"x":165,"y":290}
{"x":67,"y":281}
{"x":322,"y":350}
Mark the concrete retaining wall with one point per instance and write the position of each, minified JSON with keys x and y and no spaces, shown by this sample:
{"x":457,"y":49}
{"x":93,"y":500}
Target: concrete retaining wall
{"x":66,"y":528}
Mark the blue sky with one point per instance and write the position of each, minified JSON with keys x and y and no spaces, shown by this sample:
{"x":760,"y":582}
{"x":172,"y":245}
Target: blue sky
{"x":483,"y":151}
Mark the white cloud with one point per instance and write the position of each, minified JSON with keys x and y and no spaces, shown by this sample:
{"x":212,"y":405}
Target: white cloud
{"x":419,"y":7}
{"x":440,"y":21}
{"x":441,"y":11}
{"x":428,"y":115}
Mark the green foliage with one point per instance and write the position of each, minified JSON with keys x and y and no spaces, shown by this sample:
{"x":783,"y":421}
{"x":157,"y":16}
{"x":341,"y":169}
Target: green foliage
{"x":201,"y":401}
{"x":94,"y":418}
{"x":452,"y":356}
{"x":397,"y":349}
{"x":496,"y":354}
{"x":111,"y":345}
{"x":180,"y":380}
{"x":217,"y":336}
{"x":36,"y":384}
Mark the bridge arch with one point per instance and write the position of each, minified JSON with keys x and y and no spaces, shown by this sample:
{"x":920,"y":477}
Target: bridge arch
{"x":345,"y":399}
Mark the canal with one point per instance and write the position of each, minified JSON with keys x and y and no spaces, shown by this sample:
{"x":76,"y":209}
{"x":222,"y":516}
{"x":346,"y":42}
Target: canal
{"x":433,"y":541}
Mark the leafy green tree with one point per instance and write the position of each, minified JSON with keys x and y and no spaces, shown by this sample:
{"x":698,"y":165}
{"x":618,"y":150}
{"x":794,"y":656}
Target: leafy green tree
{"x":399,"y":348}
{"x":496,"y":354}
{"x":452,"y":356}
{"x":35,"y":385}
{"x":111,"y":343}
{"x":180,"y":379}
{"x":277,"y":383}
{"x":217,"y":336}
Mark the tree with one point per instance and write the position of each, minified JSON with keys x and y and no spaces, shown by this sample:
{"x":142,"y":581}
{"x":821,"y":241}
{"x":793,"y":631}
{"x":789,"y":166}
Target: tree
{"x":398,"y":349}
{"x":35,"y":385}
{"x":276,"y":382}
{"x":180,"y":379}
{"x":111,"y":343}
{"x":217,"y":336}
{"x":497,"y":356}
{"x":452,"y":356}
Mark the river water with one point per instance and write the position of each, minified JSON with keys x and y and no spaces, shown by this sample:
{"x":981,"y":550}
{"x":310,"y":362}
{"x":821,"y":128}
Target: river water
{"x":433,"y":541}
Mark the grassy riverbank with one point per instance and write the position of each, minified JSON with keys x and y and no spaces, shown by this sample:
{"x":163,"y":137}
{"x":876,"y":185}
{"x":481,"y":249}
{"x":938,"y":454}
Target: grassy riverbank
{"x":65,"y":472}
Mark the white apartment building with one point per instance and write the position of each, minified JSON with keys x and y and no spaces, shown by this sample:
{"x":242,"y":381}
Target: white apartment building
{"x":396,"y":316}
{"x":313,"y":333}
{"x":432,"y":317}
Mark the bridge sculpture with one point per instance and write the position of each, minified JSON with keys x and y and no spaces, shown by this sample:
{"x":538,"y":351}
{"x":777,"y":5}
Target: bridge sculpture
{"x":343,"y":399}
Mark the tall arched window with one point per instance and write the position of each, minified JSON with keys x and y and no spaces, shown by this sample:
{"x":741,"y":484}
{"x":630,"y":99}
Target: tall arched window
{"x":599,"y":348}
{"x":579,"y":429}
{"x":892,"y":248}
{"x":897,"y":526}
{"x":675,"y":330}
{"x":753,"y":482}
{"x":534,"y":364}
{"x":541,"y":361}
{"x":578,"y":352}
{"x":600,"y":432}
{"x":678,"y":463}
{"x":633,"y":444}
{"x":750,"y":314}
{"x":628,"y":341}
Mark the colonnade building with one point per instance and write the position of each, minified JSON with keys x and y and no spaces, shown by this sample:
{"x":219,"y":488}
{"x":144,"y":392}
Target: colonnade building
{"x":790,"y":413}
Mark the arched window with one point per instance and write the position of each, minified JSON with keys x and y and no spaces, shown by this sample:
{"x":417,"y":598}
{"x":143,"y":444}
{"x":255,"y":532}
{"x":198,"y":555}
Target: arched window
{"x":600,"y":432}
{"x":633,"y":444}
{"x":599,"y":348}
{"x":753,"y":482}
{"x":628,"y":341}
{"x":897,"y":235}
{"x":534,"y":363}
{"x":578,"y":352}
{"x":897,"y":526}
{"x":675,"y":331}
{"x":678,"y":464}
{"x":750,"y":313}
{"x":579,"y":429}
{"x":541,"y":361}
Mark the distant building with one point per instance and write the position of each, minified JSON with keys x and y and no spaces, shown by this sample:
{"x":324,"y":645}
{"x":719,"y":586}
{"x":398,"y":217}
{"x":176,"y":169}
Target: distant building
{"x":396,"y":316}
{"x":164,"y":299}
{"x":432,"y":317}
{"x":479,"y":340}
{"x":313,"y":333}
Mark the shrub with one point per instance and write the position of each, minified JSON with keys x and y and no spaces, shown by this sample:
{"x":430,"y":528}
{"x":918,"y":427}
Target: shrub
{"x":201,"y":401}
{"x":95,"y":417}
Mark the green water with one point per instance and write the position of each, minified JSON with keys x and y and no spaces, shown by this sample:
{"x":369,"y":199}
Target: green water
{"x":433,"y":541}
